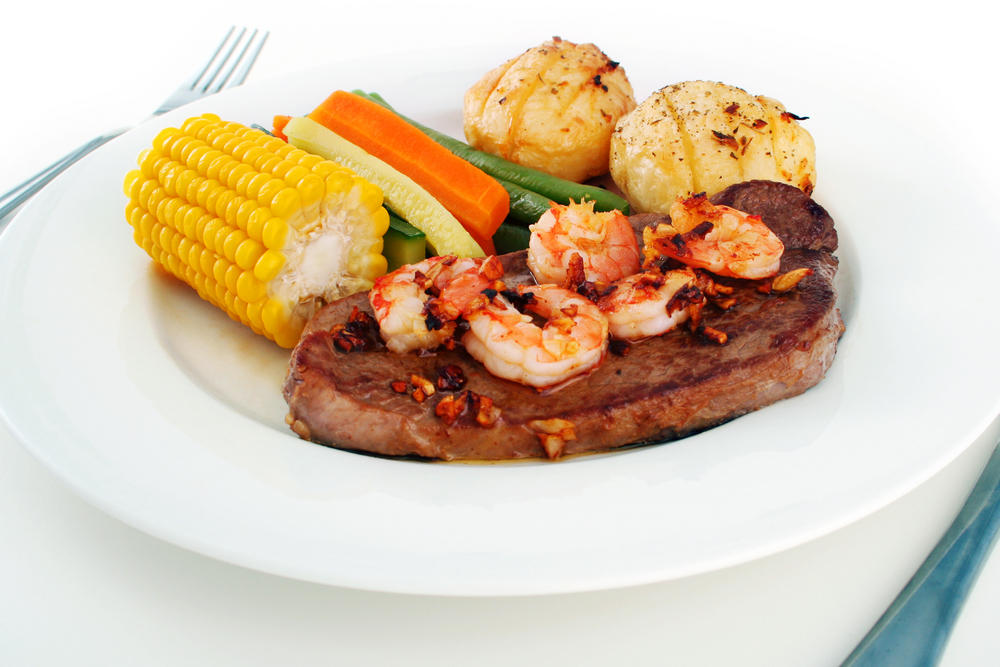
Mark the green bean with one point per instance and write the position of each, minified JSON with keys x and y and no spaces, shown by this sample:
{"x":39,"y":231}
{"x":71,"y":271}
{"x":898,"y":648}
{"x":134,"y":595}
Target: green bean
{"x":510,"y":237}
{"x":526,"y":207}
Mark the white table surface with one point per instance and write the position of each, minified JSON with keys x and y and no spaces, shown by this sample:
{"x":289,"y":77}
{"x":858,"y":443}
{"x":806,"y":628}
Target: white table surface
{"x":78,"y":587}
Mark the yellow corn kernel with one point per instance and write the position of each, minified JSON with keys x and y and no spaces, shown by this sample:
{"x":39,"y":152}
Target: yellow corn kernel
{"x":253,"y":154}
{"x":221,"y":167}
{"x":249,"y":288}
{"x":163,"y":136}
{"x":233,"y":274}
{"x":268,"y":191}
{"x":259,"y":180}
{"x":190,"y":147}
{"x":232,"y":244}
{"x":147,"y":162}
{"x":206,"y":160}
{"x":255,"y":223}
{"x":295,"y":174}
{"x":274,"y":233}
{"x":194,"y":256}
{"x":190,"y":222}
{"x":144,"y":191}
{"x":243,"y":213}
{"x":146,"y":227}
{"x":288,"y":205}
{"x":133,"y":181}
{"x":371,"y":265}
{"x":131,"y":210}
{"x":219,"y":269}
{"x":234,"y":176}
{"x":249,"y":253}
{"x":231,"y":212}
{"x":208,"y":232}
{"x":178,"y":145}
{"x":281,"y":168}
{"x":309,"y":161}
{"x":207,"y":261}
{"x":222,"y":201}
{"x":266,"y":163}
{"x":311,"y":189}
{"x":228,"y":298}
{"x":212,"y":195}
{"x":269,"y":265}
{"x":215,"y":165}
{"x":289,"y":336}
{"x":240,"y":306}
{"x":253,"y":314}
{"x":195,"y":125}
{"x":240,"y":150}
{"x":204,"y":191}
{"x":165,"y":237}
{"x":219,"y":242}
{"x":275,"y":316}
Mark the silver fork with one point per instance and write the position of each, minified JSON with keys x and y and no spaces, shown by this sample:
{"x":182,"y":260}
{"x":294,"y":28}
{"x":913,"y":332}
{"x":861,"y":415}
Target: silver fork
{"x":221,"y":71}
{"x":914,"y":631}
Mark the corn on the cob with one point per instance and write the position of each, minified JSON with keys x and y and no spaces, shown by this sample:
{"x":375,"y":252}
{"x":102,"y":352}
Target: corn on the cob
{"x":266,"y":231}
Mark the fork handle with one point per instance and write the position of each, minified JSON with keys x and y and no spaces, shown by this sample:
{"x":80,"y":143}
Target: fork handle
{"x":9,"y":201}
{"x":914,"y":630}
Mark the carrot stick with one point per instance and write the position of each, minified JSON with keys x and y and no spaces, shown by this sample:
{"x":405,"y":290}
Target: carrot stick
{"x":472,"y":196}
{"x":279,"y":125}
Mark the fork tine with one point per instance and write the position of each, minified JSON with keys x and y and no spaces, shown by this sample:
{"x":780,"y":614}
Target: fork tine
{"x":241,"y":75}
{"x":193,"y":81}
{"x":206,"y":88}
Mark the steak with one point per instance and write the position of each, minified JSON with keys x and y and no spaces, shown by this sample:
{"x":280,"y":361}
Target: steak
{"x":664,"y":388}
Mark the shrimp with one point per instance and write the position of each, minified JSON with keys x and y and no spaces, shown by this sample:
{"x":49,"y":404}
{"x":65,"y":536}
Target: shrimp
{"x":720,"y":239}
{"x":651,"y":303}
{"x":572,"y":341}
{"x":605,"y":242}
{"x":418,"y":305}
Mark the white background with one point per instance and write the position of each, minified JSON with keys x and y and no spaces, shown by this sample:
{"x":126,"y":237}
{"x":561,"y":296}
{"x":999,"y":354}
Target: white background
{"x":78,"y":587}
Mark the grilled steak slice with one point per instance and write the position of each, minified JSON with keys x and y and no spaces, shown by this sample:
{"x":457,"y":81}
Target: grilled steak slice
{"x":664,"y":388}
{"x":790,"y":213}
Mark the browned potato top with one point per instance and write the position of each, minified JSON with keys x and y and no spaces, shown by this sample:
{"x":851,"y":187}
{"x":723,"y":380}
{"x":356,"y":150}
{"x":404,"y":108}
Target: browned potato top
{"x":703,"y":136}
{"x":552,"y":108}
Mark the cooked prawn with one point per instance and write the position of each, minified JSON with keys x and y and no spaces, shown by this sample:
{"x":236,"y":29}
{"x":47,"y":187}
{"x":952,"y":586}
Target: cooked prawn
{"x":720,"y":239}
{"x":650,"y":303}
{"x":605,"y":242}
{"x":418,"y":305}
{"x":573,"y":340}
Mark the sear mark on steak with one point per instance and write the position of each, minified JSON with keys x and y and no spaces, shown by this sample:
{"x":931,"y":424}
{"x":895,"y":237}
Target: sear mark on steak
{"x":779,"y":345}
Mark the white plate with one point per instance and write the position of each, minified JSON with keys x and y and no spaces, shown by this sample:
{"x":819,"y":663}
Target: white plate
{"x":160,"y":410}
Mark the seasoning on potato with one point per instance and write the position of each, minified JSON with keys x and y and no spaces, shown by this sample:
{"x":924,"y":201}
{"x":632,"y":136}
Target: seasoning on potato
{"x":703,"y":136}
{"x":553,"y":108}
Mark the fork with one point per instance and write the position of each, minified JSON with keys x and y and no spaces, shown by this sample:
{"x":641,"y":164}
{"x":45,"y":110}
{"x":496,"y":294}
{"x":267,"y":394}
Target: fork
{"x":207,"y":80}
{"x":914,"y":631}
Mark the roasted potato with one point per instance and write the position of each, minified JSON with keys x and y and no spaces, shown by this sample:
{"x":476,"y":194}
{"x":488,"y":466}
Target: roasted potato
{"x":553,"y":108}
{"x":703,"y":136}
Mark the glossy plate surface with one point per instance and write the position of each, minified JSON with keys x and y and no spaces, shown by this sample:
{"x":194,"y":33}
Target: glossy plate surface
{"x":157,"y":408}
